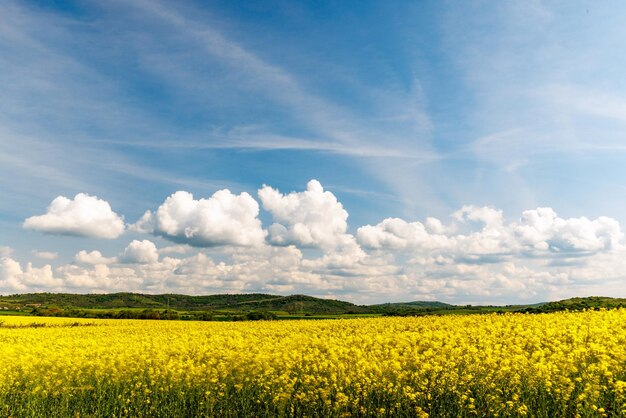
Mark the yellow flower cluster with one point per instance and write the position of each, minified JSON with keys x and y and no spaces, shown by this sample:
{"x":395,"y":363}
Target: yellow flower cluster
{"x":562,"y":364}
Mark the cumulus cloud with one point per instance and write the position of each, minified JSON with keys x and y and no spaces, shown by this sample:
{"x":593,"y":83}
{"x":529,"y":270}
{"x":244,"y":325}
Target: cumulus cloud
{"x":491,"y":218}
{"x":141,"y":252}
{"x":313,"y":218}
{"x":99,"y":278}
{"x":395,"y":233}
{"x":268,"y":269}
{"x":349,"y":273}
{"x":487,"y":238}
{"x":223,"y":219}
{"x":40,"y":278}
{"x":84,"y":215}
{"x":92,"y":258}
{"x":475,"y":256}
{"x":542,"y":229}
{"x":11,"y":276}
{"x":15,"y":279}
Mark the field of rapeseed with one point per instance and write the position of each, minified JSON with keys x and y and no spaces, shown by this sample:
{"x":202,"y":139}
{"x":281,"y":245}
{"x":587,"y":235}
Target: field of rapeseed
{"x":563,"y":364}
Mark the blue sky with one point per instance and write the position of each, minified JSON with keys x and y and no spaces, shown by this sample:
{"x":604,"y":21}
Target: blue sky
{"x":474,"y":114}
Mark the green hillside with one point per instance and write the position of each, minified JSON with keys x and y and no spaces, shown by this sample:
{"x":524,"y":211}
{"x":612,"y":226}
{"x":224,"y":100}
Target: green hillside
{"x":577,"y":304}
{"x":237,"y":306}
{"x":235,"y":302}
{"x":412,"y":305}
{"x":303,"y":303}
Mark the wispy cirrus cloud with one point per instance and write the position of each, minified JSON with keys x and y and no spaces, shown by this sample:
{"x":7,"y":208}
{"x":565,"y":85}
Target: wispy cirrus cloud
{"x":89,"y":108}
{"x":378,"y":139}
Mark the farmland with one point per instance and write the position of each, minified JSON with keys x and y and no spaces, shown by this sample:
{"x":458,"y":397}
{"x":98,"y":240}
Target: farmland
{"x":558,"y":364}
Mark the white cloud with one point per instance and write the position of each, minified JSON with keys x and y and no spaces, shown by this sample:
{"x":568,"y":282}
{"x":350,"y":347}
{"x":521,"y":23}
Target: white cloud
{"x":542,"y":229}
{"x":10,"y":275}
{"x":92,"y":258}
{"x":40,"y":278}
{"x":313,"y":218}
{"x":490,"y":217}
{"x":222,"y":219}
{"x":46,"y":255}
{"x":246,"y":269}
{"x":476,"y":257}
{"x":395,"y":233}
{"x":490,"y":241}
{"x":140,"y":252}
{"x":486,"y":238}
{"x":97,"y":278}
{"x":350,"y":273}
{"x":15,"y":279}
{"x":84,"y":215}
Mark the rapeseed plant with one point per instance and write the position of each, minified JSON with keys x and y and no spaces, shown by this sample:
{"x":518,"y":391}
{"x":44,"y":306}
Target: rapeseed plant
{"x":549,"y":365}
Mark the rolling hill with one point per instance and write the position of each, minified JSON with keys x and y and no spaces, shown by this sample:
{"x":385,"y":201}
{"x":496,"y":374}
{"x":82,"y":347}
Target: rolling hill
{"x":234,"y":302}
{"x":293,"y":305}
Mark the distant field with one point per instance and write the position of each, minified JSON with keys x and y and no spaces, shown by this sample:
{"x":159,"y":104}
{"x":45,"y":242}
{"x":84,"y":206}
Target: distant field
{"x":14,"y":313}
{"x":552,"y":365}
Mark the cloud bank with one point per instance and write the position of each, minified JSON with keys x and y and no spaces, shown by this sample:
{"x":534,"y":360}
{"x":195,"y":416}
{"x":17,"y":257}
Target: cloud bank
{"x":476,"y":255}
{"x":538,"y":233}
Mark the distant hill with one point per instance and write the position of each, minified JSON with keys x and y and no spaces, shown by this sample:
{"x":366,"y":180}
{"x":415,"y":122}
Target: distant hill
{"x":303,"y":303}
{"x":578,"y":304}
{"x":294,"y":305}
{"x":413,"y":305}
{"x":235,"y":302}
